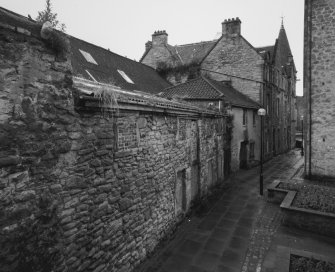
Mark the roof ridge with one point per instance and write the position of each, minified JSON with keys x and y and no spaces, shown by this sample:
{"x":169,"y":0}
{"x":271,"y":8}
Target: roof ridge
{"x":211,"y":84}
{"x":236,"y":91}
{"x":186,"y":82}
{"x":196,"y":43}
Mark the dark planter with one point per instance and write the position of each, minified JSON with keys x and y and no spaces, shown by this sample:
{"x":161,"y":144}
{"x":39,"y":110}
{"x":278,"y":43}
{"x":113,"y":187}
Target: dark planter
{"x":305,"y":219}
{"x":275,"y":194}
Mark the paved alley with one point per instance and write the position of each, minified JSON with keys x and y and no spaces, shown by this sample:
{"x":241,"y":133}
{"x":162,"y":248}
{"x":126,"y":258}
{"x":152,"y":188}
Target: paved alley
{"x":241,"y":231}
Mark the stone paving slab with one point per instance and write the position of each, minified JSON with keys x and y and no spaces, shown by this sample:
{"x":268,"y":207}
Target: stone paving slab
{"x":241,"y":232}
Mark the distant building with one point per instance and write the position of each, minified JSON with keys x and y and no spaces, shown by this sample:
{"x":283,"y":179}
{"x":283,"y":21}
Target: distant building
{"x":319,"y":89}
{"x":244,"y":151}
{"x":300,"y":101}
{"x":267,"y":74}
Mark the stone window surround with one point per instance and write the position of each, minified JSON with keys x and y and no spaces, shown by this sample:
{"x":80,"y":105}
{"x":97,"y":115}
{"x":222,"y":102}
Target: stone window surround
{"x":186,"y":168}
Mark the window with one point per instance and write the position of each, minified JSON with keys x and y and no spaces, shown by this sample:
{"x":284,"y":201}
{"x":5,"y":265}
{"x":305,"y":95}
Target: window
{"x":277,"y":108}
{"x":254,"y":113}
{"x":90,"y":75}
{"x":252,"y":150}
{"x":245,"y":117}
{"x":88,"y":57}
{"x":268,"y":103}
{"x":125,"y":77}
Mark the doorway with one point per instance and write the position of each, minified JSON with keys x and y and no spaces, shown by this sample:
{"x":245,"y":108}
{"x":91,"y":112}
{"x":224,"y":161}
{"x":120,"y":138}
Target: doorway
{"x":244,"y":155}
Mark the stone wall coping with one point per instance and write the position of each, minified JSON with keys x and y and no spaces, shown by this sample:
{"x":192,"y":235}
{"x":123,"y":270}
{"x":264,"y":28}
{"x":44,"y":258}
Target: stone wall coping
{"x":88,"y":88}
{"x":21,"y":24}
{"x":287,"y":205}
{"x":284,"y":255}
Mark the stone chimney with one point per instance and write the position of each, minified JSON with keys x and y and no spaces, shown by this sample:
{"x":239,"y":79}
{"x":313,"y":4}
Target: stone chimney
{"x":159,"y":38}
{"x":231,"y":26}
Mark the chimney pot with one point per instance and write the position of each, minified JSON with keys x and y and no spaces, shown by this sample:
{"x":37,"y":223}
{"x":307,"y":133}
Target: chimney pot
{"x":231,"y":26}
{"x":159,"y":38}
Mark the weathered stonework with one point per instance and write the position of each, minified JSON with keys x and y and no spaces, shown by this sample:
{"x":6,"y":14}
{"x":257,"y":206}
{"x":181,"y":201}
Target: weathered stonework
{"x":266,"y":75}
{"x":319,"y":88}
{"x":233,"y":56}
{"x":121,"y":179}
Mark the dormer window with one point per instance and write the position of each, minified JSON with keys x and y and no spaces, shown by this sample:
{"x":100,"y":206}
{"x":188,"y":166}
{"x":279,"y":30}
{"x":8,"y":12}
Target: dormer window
{"x":88,"y":57}
{"x":125,"y":77}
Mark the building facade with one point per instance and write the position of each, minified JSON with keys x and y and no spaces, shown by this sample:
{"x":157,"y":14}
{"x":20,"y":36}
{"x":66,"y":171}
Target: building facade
{"x":93,"y":174}
{"x":267,"y":75}
{"x":244,"y":126}
{"x":319,"y":89}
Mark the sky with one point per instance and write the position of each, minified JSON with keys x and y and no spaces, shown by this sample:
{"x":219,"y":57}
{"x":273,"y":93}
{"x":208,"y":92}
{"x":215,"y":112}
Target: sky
{"x":124,"y":26}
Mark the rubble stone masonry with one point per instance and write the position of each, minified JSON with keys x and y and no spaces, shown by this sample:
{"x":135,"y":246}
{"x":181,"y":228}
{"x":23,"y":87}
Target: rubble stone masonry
{"x":119,"y":182}
{"x":234,"y":56}
{"x":319,"y":88}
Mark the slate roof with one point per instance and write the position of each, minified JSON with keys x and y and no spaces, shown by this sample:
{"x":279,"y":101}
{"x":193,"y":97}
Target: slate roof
{"x":203,"y":88}
{"x":279,"y":52}
{"x":194,"y":52}
{"x":265,"y":49}
{"x":145,"y":78}
{"x":188,"y":53}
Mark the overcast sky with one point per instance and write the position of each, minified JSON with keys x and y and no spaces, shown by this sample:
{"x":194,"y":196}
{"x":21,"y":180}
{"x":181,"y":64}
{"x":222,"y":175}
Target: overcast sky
{"x":124,"y":26}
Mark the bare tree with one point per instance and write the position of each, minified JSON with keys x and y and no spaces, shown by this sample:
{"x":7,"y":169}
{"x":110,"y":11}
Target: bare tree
{"x":48,"y":15}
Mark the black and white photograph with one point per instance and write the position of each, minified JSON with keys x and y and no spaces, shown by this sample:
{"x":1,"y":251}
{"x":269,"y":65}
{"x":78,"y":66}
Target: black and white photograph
{"x":167,"y":136}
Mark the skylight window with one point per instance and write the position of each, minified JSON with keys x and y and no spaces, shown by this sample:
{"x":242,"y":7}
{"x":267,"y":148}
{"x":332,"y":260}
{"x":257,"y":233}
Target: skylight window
{"x":90,"y":75}
{"x":125,"y":77}
{"x":88,"y":57}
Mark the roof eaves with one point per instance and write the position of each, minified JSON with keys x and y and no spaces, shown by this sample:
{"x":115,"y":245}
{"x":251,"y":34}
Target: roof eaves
{"x":240,"y":105}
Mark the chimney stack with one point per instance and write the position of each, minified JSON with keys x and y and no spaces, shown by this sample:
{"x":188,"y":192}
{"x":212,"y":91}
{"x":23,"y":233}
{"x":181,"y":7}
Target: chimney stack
{"x":231,"y":26}
{"x":159,"y":38}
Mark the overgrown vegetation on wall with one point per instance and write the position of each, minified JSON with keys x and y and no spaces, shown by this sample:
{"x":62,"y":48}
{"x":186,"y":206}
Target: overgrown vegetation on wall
{"x":192,"y":69}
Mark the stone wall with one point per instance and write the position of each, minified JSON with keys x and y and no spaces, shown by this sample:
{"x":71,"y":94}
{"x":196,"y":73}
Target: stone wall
{"x":234,"y":56}
{"x":249,"y":133}
{"x":99,"y":188}
{"x":319,"y":86}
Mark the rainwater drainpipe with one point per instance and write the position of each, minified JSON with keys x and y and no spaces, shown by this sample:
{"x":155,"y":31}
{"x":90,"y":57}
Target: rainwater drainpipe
{"x":310,"y":86}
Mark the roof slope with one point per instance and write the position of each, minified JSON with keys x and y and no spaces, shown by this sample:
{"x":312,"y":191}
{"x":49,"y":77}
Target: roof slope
{"x":195,"y":52}
{"x":235,"y":97}
{"x":204,"y":89}
{"x":187,"y":53}
{"x":282,"y":49}
{"x":105,"y":70}
{"x":198,"y":88}
{"x":144,"y":77}
{"x":266,"y":49}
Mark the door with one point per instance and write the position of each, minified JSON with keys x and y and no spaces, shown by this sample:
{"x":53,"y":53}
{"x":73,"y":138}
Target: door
{"x":243,"y":155}
{"x":194,"y":181}
{"x":180,"y":192}
{"x":227,"y":158}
